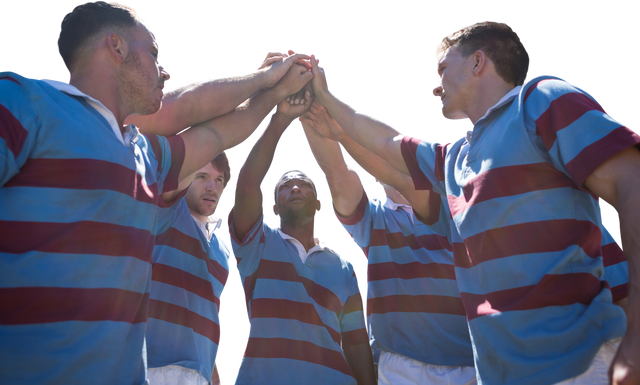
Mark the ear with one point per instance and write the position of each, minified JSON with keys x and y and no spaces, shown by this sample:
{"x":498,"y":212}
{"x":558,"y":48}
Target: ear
{"x":479,"y":62}
{"x":319,"y":206}
{"x":275,"y":209}
{"x":117,"y":47}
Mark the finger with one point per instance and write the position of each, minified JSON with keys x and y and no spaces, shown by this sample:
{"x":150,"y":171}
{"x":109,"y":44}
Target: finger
{"x":314,"y":65}
{"x":304,"y":63}
{"x":298,"y":56}
{"x":291,"y":52}
{"x":271,"y":54}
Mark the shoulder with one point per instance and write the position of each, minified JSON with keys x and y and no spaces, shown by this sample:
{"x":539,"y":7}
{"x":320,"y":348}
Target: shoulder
{"x":545,"y":89}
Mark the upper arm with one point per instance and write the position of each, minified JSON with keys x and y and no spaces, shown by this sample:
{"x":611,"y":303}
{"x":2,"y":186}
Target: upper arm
{"x":201,"y":146}
{"x":617,"y":180}
{"x":346,"y":191}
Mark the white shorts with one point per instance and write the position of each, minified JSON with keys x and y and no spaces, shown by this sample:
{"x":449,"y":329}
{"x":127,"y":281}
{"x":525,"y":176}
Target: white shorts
{"x":598,"y":372}
{"x":175,"y":375}
{"x":396,"y":369}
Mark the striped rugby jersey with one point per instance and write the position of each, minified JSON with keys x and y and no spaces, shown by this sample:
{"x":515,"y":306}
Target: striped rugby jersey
{"x":189,"y":273}
{"x":413,"y":304}
{"x":300,"y":314}
{"x":78,"y":212}
{"x":616,"y":268}
{"x":525,"y":232}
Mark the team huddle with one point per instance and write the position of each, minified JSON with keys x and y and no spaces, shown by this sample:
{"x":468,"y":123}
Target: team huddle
{"x":487,"y":261}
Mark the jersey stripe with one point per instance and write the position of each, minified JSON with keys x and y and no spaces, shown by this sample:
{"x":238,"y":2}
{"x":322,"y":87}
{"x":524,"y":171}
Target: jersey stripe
{"x":525,"y":239}
{"x":563,"y":111}
{"x":184,"y":280}
{"x":412,"y":270}
{"x":296,"y":350}
{"x":508,"y":181}
{"x":83,"y":237}
{"x":286,"y":272}
{"x":29,"y":305}
{"x":380,"y":237}
{"x":409,"y":150}
{"x":179,"y":315}
{"x":355,"y":337}
{"x":552,"y":290}
{"x":84,"y":174}
{"x":439,"y":304}
{"x":286,"y":309}
{"x":189,"y":245}
{"x":11,"y":131}
{"x":596,"y":153}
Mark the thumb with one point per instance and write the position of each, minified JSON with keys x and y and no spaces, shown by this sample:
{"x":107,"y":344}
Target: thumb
{"x":314,"y":65}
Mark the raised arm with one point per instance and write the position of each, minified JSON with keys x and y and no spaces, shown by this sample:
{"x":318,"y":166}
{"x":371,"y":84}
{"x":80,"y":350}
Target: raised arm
{"x":320,"y":120}
{"x":199,"y":102}
{"x":205,"y":141}
{"x":375,"y":136}
{"x":617,"y":181}
{"x":248,"y":206}
{"x":344,"y":184}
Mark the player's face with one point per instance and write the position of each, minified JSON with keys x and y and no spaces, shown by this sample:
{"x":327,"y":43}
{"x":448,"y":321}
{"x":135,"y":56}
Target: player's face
{"x":141,"y":76}
{"x":205,"y":191}
{"x":455,"y":73}
{"x":296,"y":197}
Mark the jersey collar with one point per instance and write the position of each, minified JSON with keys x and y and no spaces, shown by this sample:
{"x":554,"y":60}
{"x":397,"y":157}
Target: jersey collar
{"x":505,"y":99}
{"x":130,"y":131}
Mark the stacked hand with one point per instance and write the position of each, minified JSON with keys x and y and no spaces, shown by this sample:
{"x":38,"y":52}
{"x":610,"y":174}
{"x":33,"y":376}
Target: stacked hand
{"x":319,"y":119}
{"x":277,"y":64}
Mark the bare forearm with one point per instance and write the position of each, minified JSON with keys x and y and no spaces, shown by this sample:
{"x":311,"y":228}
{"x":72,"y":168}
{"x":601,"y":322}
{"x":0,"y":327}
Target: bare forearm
{"x":360,"y":361}
{"x":374,"y":136}
{"x":259,"y":160}
{"x":344,"y":184}
{"x":205,"y":141}
{"x":629,"y":214}
{"x":199,"y":102}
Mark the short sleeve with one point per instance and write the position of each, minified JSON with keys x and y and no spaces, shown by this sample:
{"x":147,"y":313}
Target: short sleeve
{"x":167,"y":214}
{"x":19,"y":125}
{"x":352,"y":326}
{"x":360,"y":224}
{"x":248,"y":251}
{"x":169,"y":153}
{"x":425,"y":162}
{"x":572,"y":127}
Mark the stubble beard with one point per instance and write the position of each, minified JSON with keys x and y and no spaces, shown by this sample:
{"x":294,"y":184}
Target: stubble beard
{"x":134,"y":87}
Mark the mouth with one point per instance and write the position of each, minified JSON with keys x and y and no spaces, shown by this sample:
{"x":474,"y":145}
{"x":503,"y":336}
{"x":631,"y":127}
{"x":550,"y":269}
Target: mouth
{"x":210,"y":200}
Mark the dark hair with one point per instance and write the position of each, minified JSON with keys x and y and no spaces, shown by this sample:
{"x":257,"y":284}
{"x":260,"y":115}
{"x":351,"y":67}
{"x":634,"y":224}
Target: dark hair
{"x":498,"y":41}
{"x":86,"y":21}
{"x":283,"y":173}
{"x":221,"y":163}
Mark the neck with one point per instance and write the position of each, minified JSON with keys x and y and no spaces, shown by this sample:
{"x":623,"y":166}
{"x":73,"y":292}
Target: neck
{"x":302,"y":232}
{"x":201,"y":218}
{"x":490,"y":91}
{"x":101,"y":85}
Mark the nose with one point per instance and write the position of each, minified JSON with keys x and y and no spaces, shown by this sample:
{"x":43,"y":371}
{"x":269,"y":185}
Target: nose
{"x":295,"y":187}
{"x":164,"y":74}
{"x":436,"y":88}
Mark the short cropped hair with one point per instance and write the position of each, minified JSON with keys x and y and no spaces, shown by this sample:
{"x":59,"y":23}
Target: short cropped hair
{"x":498,"y":41}
{"x":283,"y":173}
{"x":86,"y":21}
{"x":221,"y":163}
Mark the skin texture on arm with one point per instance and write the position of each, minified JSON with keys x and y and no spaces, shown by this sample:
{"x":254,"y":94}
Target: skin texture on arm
{"x":360,"y":361}
{"x":617,"y":181}
{"x":319,"y":119}
{"x":199,"y":102}
{"x":205,"y":141}
{"x":344,"y":184}
{"x":215,"y":377}
{"x":248,"y":205}
{"x":375,"y":136}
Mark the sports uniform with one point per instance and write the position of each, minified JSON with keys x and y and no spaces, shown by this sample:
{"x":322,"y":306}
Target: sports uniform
{"x":189,"y":274}
{"x":78,"y":210}
{"x":303,"y":306}
{"x":413,"y":305}
{"x":525,"y":232}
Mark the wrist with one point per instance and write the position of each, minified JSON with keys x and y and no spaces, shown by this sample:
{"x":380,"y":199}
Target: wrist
{"x":281,"y":118}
